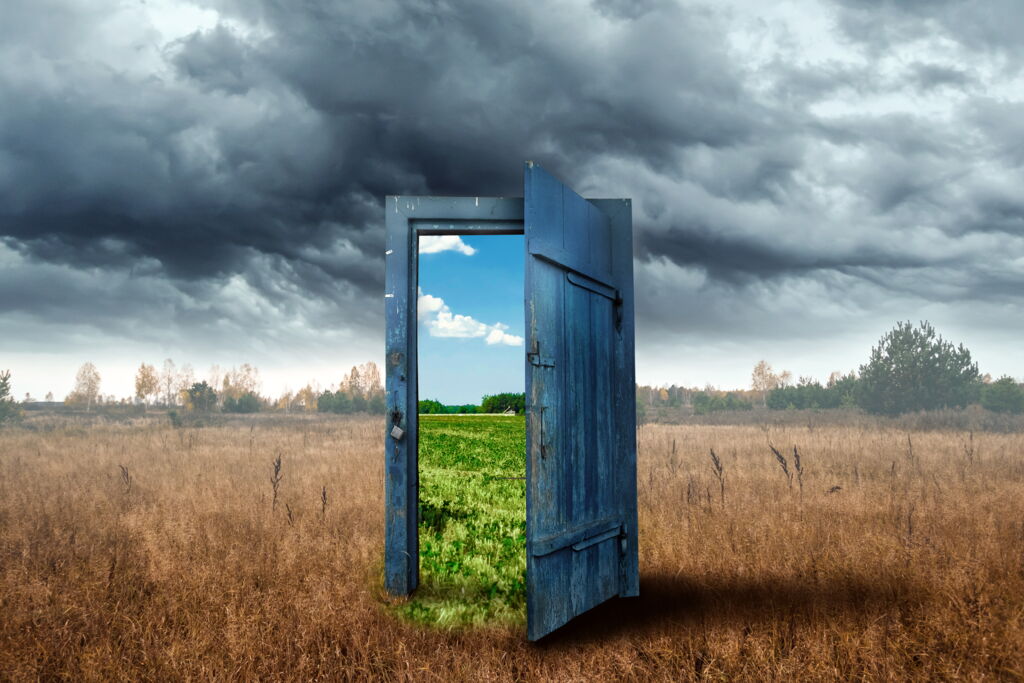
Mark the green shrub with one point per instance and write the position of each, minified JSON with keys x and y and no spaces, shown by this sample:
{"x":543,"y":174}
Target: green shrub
{"x":200,"y":397}
{"x":1003,"y":396}
{"x":704,"y":403}
{"x":431,"y":407}
{"x":246,"y":403}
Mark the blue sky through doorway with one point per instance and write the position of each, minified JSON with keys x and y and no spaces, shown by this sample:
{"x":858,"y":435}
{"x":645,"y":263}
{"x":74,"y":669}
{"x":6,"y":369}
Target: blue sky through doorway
{"x":471,"y":317}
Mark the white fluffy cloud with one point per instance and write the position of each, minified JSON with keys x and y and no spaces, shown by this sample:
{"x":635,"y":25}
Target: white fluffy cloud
{"x":441,"y":322}
{"x":498,"y":335}
{"x":434,"y":244}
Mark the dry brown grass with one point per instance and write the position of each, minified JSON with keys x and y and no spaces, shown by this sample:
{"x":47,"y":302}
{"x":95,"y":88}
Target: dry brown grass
{"x":178,"y":566}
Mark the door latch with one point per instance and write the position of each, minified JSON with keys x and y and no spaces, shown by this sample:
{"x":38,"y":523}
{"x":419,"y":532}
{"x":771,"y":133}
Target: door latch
{"x":538,"y":360}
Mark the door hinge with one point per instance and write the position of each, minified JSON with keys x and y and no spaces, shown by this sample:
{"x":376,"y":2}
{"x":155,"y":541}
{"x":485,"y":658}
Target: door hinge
{"x":538,"y":360}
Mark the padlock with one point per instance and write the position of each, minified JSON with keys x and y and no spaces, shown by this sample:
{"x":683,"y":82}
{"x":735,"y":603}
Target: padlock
{"x":397,"y":433}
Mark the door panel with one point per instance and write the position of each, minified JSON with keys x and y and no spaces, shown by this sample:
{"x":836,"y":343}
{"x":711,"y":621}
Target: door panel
{"x":580,"y":504}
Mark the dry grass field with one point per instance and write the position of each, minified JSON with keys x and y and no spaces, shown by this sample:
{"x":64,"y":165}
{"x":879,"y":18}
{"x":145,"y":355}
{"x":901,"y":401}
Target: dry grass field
{"x":138,"y":551}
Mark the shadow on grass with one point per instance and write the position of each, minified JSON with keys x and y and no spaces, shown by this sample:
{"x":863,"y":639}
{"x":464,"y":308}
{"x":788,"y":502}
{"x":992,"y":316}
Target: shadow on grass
{"x":667,"y":603}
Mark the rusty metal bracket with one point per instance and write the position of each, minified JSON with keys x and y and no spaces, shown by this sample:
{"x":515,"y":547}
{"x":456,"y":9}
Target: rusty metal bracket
{"x":538,"y":360}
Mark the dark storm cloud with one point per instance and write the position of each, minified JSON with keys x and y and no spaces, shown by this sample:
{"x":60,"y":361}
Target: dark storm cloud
{"x":250,"y":159}
{"x":992,"y":27}
{"x":931,"y":76}
{"x":285,"y":145}
{"x":737,"y":260}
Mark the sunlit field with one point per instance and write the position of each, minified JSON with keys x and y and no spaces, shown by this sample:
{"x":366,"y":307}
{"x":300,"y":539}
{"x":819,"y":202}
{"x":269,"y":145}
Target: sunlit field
{"x":472,"y":521}
{"x":140,"y":551}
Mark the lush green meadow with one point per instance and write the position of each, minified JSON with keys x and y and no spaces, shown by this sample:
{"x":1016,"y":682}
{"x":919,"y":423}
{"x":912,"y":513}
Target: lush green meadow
{"x":472,"y":521}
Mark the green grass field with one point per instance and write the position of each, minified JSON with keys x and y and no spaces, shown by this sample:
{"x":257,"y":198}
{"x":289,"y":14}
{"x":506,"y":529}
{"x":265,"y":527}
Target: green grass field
{"x":472,"y":521}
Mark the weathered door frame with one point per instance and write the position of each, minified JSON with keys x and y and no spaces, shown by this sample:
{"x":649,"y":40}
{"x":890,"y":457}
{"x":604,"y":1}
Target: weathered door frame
{"x":407,"y":218}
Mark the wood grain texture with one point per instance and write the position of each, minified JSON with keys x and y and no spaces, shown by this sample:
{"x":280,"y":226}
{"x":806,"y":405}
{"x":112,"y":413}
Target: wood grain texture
{"x":581,"y":452}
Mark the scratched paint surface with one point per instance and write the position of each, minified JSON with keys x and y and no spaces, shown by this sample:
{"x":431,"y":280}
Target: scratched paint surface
{"x":472,"y":509}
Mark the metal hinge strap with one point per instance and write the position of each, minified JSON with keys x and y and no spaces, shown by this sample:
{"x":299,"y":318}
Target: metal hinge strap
{"x":538,"y":360}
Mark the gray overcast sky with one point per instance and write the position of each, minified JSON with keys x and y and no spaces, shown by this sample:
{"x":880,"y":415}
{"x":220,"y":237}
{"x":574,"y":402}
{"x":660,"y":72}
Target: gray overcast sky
{"x":203,"y":180}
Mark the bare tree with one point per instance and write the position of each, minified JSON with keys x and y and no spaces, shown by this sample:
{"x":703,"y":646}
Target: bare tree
{"x":352,"y":383}
{"x":87,"y":386}
{"x":186,"y":377}
{"x":215,"y":376}
{"x":763,"y":380}
{"x":168,"y":379}
{"x":241,"y":380}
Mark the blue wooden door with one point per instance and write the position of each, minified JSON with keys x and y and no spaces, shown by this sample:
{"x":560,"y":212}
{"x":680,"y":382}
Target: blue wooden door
{"x":581,"y":524}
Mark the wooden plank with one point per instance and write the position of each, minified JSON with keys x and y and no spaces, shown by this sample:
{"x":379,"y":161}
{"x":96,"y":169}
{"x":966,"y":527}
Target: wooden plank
{"x":572,"y":536}
{"x":592,"y":285}
{"x":401,"y":542}
{"x":619,"y":212}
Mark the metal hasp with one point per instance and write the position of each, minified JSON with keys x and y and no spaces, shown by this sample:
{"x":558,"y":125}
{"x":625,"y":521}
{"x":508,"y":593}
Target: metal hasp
{"x":581,"y":511}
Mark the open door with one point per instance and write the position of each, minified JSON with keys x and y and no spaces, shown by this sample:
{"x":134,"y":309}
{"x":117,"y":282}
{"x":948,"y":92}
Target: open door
{"x":581,"y":526}
{"x":581,"y":511}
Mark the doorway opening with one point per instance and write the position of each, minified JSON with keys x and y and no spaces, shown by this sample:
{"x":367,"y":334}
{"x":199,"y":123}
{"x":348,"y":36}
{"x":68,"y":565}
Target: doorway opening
{"x":472,"y":431}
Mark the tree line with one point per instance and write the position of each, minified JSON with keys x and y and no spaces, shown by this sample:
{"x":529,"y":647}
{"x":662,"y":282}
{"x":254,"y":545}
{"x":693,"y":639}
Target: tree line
{"x":490,"y":403}
{"x":912,"y":368}
{"x":233,"y":390}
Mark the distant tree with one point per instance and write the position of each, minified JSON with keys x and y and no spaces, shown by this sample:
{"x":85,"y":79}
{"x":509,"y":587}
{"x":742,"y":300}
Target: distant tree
{"x":763,"y":380}
{"x":184,"y":380}
{"x":334,"y":402}
{"x":49,"y":396}
{"x":916,"y":369}
{"x":200,"y":398}
{"x":369,"y":378}
{"x":376,"y":405}
{"x":707,"y":402}
{"x":307,"y":398}
{"x":238,"y":381}
{"x":214,"y":378}
{"x":1003,"y":396}
{"x":246,"y":403}
{"x":285,"y":401}
{"x":641,"y":404}
{"x":9,"y":410}
{"x":147,"y":383}
{"x":168,"y":379}
{"x":499,"y":403}
{"x":431,"y":407}
{"x":351,"y":383}
{"x":87,"y":387}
